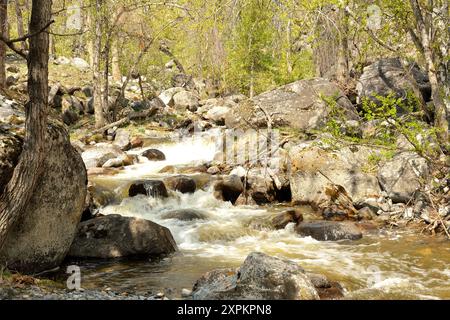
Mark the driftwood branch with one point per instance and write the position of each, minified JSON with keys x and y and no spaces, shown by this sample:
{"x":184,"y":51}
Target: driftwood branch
{"x":133,"y":115}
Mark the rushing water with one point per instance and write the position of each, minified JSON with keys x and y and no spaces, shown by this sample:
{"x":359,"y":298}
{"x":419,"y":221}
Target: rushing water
{"x":382,"y":265}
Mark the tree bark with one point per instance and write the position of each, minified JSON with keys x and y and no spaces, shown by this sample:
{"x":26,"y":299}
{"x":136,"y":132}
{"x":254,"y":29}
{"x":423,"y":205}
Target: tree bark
{"x":20,"y":28}
{"x":20,"y":188}
{"x":97,"y":78}
{"x":4,"y":32}
{"x":437,"y":88}
{"x":117,"y":75}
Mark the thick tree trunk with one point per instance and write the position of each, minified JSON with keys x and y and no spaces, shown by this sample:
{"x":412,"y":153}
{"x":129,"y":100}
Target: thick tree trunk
{"x":27,"y":172}
{"x":4,"y":32}
{"x":97,"y":78}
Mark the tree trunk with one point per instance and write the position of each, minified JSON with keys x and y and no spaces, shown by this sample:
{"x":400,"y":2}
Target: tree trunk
{"x":97,"y":78}
{"x":4,"y":32}
{"x":27,"y":172}
{"x":437,"y":89}
{"x":117,"y":75}
{"x":20,"y":28}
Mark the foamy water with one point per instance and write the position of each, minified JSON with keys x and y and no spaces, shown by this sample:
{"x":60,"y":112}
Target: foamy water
{"x":386,"y":265}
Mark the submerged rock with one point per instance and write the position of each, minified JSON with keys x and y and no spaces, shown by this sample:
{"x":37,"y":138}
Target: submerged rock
{"x":329,"y":230}
{"x":185,"y":215}
{"x":151,"y":188}
{"x":114,"y":236}
{"x":260,"y":277}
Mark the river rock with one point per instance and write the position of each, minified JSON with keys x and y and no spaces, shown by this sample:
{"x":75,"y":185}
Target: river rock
{"x":313,"y":168}
{"x":42,"y":237}
{"x":114,"y":236}
{"x":185,"y":215}
{"x":260,"y":277}
{"x":259,"y":189}
{"x":121,"y":161}
{"x":136,"y":142}
{"x":151,"y":188}
{"x":122,"y":139}
{"x":183,"y":184}
{"x":154,"y":155}
{"x":327,"y":289}
{"x":228,"y":188}
{"x":329,"y":230}
{"x":281,"y":220}
{"x":99,"y":154}
{"x":401,"y":177}
{"x":299,"y":105}
{"x":392,"y":75}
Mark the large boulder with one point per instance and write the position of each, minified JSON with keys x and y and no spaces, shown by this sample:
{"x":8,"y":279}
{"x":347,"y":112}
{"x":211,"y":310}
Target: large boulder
{"x":42,"y":237}
{"x":259,"y":188}
{"x":392,"y":75}
{"x":99,"y":154}
{"x":329,"y":230}
{"x":114,"y":236}
{"x":403,"y":175}
{"x":313,"y":169}
{"x":167,"y":96}
{"x":303,"y":105}
{"x":260,"y":277}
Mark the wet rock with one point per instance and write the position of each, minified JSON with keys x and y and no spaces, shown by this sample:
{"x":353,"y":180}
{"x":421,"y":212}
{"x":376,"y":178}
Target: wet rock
{"x":228,"y":188}
{"x":122,"y":139}
{"x":402,"y":176}
{"x":281,"y":220}
{"x":136,"y":142}
{"x":366,"y":213}
{"x":185,"y":215}
{"x":260,"y":277}
{"x":298,"y":105}
{"x":327,"y":290}
{"x":259,"y":189}
{"x":329,"y":230}
{"x":41,"y":238}
{"x":154,"y":155}
{"x":114,"y":236}
{"x":181,"y":184}
{"x":151,"y":188}
{"x":98,"y":155}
